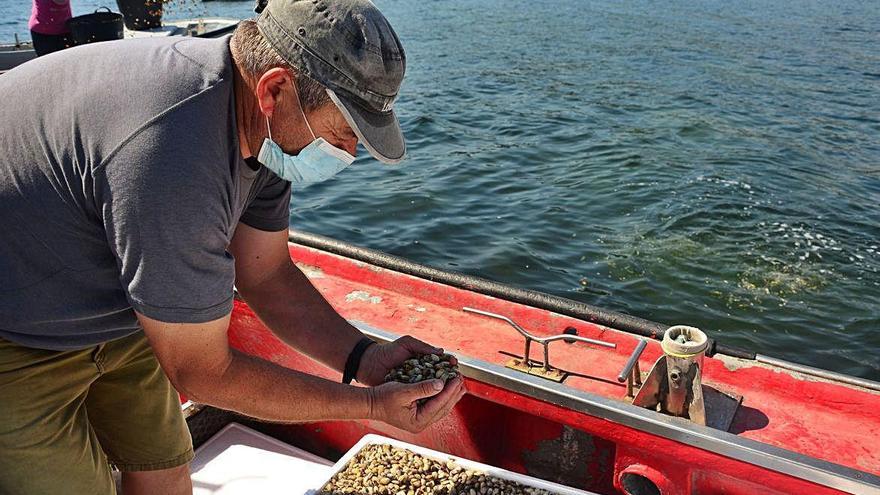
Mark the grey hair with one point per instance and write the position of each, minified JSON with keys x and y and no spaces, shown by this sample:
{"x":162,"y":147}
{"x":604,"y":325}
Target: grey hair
{"x":255,"y":56}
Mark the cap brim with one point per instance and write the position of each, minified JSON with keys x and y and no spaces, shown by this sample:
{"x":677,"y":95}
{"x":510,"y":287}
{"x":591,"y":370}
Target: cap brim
{"x":378,"y":131}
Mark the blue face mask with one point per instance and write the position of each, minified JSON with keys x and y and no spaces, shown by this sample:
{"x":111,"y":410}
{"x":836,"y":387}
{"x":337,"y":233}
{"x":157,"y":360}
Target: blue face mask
{"x":316,"y":162}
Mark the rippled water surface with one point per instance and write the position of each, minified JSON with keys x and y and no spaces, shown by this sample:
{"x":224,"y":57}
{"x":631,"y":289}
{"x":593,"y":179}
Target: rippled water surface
{"x":706,"y":162}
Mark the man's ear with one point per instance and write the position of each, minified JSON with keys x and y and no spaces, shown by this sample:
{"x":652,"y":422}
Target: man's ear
{"x":269,"y":89}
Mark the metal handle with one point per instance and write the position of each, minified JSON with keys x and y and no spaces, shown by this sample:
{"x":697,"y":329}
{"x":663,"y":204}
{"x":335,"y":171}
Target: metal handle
{"x":544,"y":341}
{"x":630,"y":371}
{"x":632,"y":361}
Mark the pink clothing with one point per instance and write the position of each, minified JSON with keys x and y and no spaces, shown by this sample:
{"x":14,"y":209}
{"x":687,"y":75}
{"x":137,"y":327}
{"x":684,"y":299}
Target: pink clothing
{"x":48,"y":16}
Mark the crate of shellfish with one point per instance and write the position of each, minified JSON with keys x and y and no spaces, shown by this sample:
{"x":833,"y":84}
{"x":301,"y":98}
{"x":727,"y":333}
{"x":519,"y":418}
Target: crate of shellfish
{"x":380,"y":465}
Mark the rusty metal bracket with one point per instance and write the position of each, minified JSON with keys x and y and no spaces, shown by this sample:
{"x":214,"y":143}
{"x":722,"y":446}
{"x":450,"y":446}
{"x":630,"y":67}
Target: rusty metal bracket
{"x":631,"y":372}
{"x":525,"y":364}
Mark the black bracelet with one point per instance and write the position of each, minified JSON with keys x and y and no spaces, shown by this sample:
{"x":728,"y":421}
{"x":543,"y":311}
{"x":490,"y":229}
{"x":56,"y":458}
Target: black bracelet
{"x":353,"y":363}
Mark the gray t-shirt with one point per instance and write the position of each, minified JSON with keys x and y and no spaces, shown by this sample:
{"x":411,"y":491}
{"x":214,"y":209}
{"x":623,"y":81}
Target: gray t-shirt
{"x":121,"y":185}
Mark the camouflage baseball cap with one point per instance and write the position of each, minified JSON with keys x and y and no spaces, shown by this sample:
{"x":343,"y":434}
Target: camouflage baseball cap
{"x":350,"y":48}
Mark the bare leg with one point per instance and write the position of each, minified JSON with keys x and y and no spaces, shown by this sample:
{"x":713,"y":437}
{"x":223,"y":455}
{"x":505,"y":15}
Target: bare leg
{"x":173,"y":481}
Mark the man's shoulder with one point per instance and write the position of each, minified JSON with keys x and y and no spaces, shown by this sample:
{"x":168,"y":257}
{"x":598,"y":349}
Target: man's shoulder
{"x":160,"y":76}
{"x":103,"y":96}
{"x":152,"y":66}
{"x":188,"y":116}
{"x":155,"y":58}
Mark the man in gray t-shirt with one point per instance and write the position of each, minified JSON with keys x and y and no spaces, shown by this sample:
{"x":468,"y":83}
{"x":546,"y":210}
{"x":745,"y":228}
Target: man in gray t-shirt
{"x":140,"y":180}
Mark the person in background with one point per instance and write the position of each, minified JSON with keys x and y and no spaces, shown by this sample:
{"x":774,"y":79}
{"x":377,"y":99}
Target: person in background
{"x":48,"y":26}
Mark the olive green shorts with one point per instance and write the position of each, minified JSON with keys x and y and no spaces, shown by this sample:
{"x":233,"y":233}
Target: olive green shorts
{"x":65,"y":417}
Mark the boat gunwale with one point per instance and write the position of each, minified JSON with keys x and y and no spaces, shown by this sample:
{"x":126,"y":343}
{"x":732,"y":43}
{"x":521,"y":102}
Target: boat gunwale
{"x":567,"y":307}
{"x":777,"y":459}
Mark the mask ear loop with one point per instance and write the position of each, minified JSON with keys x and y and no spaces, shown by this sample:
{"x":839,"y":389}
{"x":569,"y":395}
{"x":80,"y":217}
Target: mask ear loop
{"x":301,"y":111}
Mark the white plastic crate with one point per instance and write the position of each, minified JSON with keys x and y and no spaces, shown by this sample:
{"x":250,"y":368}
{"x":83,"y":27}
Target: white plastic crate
{"x":241,"y":461}
{"x":442,"y":457}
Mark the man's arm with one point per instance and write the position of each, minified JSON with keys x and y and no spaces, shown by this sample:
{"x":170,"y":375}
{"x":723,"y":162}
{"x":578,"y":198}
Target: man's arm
{"x":197,"y":359}
{"x":299,"y":315}
{"x":286,"y":301}
{"x":199,"y":362}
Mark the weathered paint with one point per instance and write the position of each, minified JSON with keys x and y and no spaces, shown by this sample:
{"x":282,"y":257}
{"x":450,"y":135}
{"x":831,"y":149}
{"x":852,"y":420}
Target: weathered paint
{"x":813,"y":417}
{"x":359,"y":295}
{"x":310,"y":271}
{"x":566,"y":458}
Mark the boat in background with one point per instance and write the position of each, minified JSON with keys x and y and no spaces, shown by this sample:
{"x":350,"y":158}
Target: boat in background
{"x":19,"y":52}
{"x":567,"y":414}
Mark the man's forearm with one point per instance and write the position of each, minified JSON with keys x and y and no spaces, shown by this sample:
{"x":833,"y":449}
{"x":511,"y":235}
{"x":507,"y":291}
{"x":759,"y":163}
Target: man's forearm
{"x":299,"y":315}
{"x":266,"y":391}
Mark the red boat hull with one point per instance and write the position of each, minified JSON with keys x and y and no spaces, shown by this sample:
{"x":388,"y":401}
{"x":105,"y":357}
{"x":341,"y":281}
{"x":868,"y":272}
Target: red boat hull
{"x":552,"y":440}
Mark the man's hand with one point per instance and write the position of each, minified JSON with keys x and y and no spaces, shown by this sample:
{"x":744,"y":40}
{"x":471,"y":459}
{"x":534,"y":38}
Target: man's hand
{"x":379,"y":359}
{"x":398,"y":403}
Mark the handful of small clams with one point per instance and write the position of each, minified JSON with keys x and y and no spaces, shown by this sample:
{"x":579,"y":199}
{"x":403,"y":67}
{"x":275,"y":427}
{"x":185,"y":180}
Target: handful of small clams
{"x":424,"y":367}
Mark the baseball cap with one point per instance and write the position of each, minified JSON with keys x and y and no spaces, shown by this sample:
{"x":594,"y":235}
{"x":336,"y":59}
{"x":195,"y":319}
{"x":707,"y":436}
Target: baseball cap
{"x":350,"y":48}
